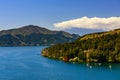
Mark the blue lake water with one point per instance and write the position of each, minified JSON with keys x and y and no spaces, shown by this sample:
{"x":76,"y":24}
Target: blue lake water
{"x":26,"y":63}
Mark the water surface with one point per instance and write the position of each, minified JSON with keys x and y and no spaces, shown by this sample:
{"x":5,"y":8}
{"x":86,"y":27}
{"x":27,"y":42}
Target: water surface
{"x":26,"y":63}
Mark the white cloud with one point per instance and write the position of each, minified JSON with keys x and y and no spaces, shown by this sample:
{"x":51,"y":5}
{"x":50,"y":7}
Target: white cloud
{"x":91,"y":23}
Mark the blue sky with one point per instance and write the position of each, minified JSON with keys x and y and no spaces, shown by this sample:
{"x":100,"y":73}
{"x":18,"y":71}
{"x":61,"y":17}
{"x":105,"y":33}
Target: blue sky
{"x":17,"y":13}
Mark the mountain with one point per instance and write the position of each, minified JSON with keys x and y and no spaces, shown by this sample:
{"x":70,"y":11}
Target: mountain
{"x":31,"y":35}
{"x":82,"y":31}
{"x":96,"y":47}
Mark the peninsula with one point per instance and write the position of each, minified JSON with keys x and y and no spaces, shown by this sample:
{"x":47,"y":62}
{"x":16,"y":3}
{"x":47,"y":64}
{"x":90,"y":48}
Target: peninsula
{"x":96,"y":47}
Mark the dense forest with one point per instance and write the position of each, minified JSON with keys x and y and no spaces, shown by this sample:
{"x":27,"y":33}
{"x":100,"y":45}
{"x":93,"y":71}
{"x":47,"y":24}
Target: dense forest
{"x":96,"y":47}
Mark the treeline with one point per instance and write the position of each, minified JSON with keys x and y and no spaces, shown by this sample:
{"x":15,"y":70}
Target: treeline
{"x":98,"y":47}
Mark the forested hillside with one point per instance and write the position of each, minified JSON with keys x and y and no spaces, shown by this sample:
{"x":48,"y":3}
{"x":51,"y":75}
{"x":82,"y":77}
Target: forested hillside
{"x":31,"y":35}
{"x":96,"y":47}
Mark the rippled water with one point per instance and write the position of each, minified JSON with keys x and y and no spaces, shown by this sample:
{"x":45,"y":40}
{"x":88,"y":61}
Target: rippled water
{"x":26,"y":63}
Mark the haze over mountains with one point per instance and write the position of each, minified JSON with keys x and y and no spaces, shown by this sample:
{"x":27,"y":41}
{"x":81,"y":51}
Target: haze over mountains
{"x":82,"y":31}
{"x":31,"y":35}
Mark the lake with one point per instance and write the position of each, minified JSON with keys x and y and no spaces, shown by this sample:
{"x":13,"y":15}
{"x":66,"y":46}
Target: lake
{"x":26,"y":63}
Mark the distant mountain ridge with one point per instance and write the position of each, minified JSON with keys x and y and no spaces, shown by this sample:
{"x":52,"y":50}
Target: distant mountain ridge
{"x":27,"y":30}
{"x":31,"y":35}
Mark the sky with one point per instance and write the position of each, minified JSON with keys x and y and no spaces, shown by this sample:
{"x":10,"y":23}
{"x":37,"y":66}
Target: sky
{"x":85,"y":15}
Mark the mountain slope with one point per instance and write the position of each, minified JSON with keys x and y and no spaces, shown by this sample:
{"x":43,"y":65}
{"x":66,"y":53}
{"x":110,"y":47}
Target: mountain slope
{"x":34,"y":35}
{"x":96,"y":47}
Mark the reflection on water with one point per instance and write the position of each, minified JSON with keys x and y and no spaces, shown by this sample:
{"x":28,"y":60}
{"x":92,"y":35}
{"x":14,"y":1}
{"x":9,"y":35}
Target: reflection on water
{"x":99,"y":65}
{"x":110,"y":66}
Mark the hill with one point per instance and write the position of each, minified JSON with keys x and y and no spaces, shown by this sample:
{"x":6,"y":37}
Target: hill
{"x":96,"y":47}
{"x":31,"y":35}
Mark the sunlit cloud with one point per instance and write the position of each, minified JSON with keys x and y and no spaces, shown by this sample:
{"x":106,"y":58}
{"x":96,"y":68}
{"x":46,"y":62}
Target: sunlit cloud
{"x":109,"y":23}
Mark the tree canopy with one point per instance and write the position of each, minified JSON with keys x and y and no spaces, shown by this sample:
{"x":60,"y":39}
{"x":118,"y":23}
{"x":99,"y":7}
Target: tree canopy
{"x":96,"y":47}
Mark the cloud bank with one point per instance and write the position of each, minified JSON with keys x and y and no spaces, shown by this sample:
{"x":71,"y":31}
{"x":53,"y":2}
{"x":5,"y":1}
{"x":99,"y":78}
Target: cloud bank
{"x":91,"y":23}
